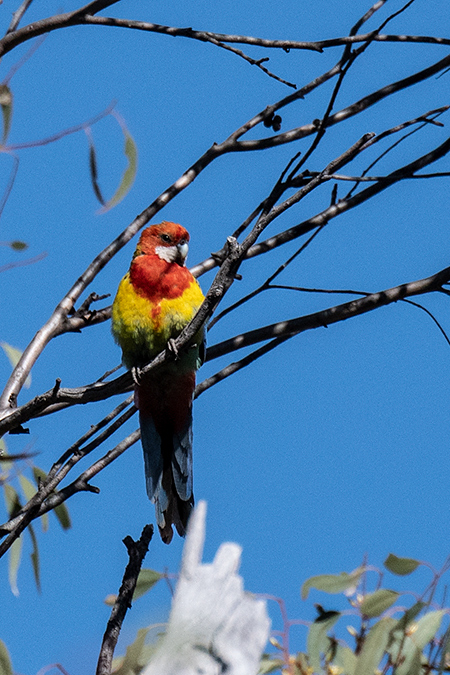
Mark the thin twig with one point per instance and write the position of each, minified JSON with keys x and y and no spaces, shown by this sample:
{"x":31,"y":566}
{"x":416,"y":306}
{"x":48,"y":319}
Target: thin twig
{"x":267,"y":283}
{"x":10,"y":183}
{"x":17,"y":15}
{"x":22,"y":263}
{"x":34,"y":47}
{"x":331,"y":315}
{"x":65,"y":132}
{"x":431,"y":315}
{"x":351,"y":110}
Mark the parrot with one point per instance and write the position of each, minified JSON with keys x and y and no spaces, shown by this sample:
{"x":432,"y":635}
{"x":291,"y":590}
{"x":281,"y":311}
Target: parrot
{"x":155,"y":300}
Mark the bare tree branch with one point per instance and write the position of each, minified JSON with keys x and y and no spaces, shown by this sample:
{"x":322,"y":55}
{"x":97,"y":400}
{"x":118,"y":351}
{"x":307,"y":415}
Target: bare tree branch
{"x":17,"y":15}
{"x":137,"y":551}
{"x":61,"y":468}
{"x":16,"y":37}
{"x":332,"y":315}
{"x":85,"y":16}
{"x":97,"y":392}
{"x":342,"y":205}
{"x":351,"y":110}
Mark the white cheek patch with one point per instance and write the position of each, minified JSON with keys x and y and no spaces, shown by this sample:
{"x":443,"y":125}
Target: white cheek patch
{"x":167,"y":253}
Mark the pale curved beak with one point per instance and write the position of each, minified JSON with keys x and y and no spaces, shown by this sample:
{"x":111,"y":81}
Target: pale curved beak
{"x":183,"y":248}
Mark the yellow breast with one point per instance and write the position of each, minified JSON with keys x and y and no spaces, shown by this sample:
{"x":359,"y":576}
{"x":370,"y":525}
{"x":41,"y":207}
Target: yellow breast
{"x":142,"y":328}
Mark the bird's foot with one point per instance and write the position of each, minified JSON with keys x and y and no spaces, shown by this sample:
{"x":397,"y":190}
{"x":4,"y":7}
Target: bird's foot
{"x":136,"y":374}
{"x":172,"y":348}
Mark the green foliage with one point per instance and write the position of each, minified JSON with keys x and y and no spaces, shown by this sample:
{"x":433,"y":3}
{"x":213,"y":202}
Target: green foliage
{"x":374,"y":646}
{"x":130,"y":151}
{"x":375,"y":633}
{"x":376,"y":603}
{"x":137,"y":656}
{"x":401,"y":566}
{"x":5,"y":661}
{"x":386,"y":637}
{"x":129,"y":175}
{"x":318,"y":641}
{"x":416,"y":641}
{"x":6,"y":102}
{"x":332,"y":583}
{"x":16,"y":245}
{"x":15,"y":553}
{"x":269,"y":664}
{"x":145,"y":582}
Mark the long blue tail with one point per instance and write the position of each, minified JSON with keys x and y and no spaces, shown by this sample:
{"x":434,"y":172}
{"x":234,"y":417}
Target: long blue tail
{"x":168,"y":473}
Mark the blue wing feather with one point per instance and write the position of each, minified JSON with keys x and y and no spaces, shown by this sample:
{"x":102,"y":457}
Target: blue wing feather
{"x":153,"y":458}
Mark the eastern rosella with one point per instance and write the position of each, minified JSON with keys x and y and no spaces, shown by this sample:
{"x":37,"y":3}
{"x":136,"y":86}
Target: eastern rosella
{"x":155,"y":300}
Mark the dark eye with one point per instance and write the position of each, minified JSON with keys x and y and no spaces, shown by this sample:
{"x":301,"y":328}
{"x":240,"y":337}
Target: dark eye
{"x":166,"y":238}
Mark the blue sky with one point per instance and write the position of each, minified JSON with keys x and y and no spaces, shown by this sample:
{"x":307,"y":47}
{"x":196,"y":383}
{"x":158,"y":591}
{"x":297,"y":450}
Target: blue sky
{"x":333,"y":446}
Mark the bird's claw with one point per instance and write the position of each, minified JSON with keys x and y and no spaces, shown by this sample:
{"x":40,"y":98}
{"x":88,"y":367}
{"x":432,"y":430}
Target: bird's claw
{"x":172,"y":347}
{"x":136,"y":375}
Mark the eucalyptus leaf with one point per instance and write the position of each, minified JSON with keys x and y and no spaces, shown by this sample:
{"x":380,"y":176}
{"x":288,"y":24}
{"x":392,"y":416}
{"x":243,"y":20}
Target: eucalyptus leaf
{"x":62,"y":514}
{"x":345,"y":659}
{"x":5,"y":661}
{"x":374,"y":647}
{"x":35,"y":558}
{"x":17,"y":245}
{"x":15,"y":553}
{"x":318,"y":641}
{"x":332,"y":583}
{"x":129,"y":175}
{"x":410,"y":615}
{"x":427,"y":628}
{"x":378,"y":602}
{"x":270,"y":664}
{"x":38,"y":474}
{"x":132,"y":661}
{"x":6,"y":102}
{"x":93,"y":168}
{"x":401,"y":566}
{"x":145,"y":581}
{"x":12,"y":500}
{"x":5,"y":464}
{"x":28,"y":488}
{"x":411,"y":662}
